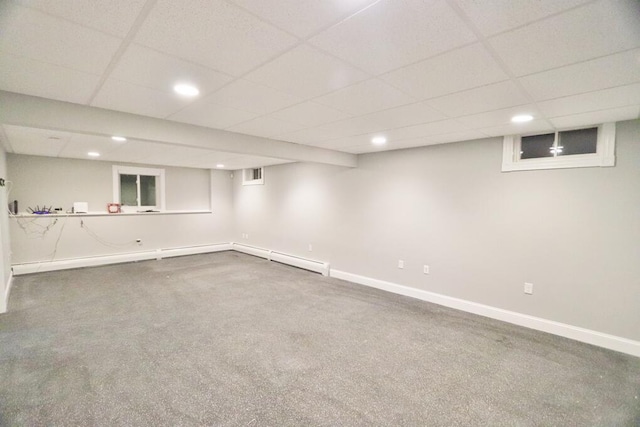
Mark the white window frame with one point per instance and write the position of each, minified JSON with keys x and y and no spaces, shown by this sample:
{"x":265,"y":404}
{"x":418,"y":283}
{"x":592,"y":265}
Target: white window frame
{"x":247,"y":175}
{"x":603,"y":157}
{"x":130,"y":170}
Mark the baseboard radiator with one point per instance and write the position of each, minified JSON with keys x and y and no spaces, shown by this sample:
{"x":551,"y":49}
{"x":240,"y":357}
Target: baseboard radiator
{"x":292,"y":260}
{"x":158,"y":254}
{"x":94,"y":261}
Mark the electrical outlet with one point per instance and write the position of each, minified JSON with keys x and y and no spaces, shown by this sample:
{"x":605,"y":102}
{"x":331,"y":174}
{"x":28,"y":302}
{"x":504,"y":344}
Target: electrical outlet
{"x":400,"y":264}
{"x":310,"y":248}
{"x":425,"y":269}
{"x":528,"y":288}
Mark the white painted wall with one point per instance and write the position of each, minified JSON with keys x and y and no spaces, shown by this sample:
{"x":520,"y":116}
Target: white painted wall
{"x":573,"y":233}
{"x":60,"y":182}
{"x":5,"y":259}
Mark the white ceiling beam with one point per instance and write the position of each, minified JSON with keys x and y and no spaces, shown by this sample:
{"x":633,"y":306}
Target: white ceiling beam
{"x":30,"y":111}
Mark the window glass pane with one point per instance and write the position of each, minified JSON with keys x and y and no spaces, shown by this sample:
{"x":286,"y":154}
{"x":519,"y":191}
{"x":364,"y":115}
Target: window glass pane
{"x":128,"y":190}
{"x":535,"y":146}
{"x":581,"y":141}
{"x":147,"y":190}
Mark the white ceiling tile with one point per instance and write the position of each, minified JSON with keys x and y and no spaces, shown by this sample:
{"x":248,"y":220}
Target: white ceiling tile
{"x":302,"y":17}
{"x":499,"y":117}
{"x":209,"y":114}
{"x":146,"y":67}
{"x":306,"y":72}
{"x":621,"y":96}
{"x":460,"y":69}
{"x":478,"y":100}
{"x":597,"y":117}
{"x":425,"y":130}
{"x":111,"y":16}
{"x":394,"y":33}
{"x":366,"y":97}
{"x":406,"y":115}
{"x":594,"y":30}
{"x":310,"y":114}
{"x":495,"y":16}
{"x":33,"y":141}
{"x":123,"y":96}
{"x":248,"y":96}
{"x":341,"y":129}
{"x":535,"y":126}
{"x":214,"y":33}
{"x":33,"y":34}
{"x":265,"y":126}
{"x":24,"y":75}
{"x":602,"y":73}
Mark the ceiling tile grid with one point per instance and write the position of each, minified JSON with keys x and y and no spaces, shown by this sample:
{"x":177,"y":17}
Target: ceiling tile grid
{"x":394,"y":33}
{"x":109,"y":16}
{"x":307,"y":73}
{"x":147,"y":67}
{"x":213,"y":33}
{"x":593,"y":30}
{"x":303,"y":17}
{"x":330,"y":73}
{"x":25,"y":75}
{"x":36,"y":35}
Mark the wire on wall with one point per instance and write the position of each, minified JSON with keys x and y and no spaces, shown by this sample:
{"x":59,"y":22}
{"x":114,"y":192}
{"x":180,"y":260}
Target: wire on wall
{"x":33,"y":229}
{"x":102,"y":240}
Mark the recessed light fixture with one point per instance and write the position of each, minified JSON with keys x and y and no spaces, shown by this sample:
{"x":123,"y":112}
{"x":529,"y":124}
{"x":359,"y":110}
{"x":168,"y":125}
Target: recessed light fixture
{"x":119,"y":138}
{"x":379,"y":140}
{"x":219,"y":165}
{"x":186,"y":89}
{"x":522,"y":118}
{"x":93,"y":154}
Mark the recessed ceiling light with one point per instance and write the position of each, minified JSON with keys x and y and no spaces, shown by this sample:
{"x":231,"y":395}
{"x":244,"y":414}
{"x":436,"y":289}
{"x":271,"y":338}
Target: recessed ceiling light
{"x":186,"y":89}
{"x":379,"y":140}
{"x":93,"y":154}
{"x":119,"y":138}
{"x":522,"y":118}
{"x":219,"y":165}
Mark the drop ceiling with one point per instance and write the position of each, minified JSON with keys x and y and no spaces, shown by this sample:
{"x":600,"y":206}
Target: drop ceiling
{"x":330,"y":74}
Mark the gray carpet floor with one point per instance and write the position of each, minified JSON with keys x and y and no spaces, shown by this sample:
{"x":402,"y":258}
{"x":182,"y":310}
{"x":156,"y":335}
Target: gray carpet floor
{"x":233,"y":340}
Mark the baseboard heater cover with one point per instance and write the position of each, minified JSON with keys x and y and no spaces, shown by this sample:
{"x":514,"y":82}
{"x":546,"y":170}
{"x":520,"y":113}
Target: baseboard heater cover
{"x":40,"y":267}
{"x":292,"y":260}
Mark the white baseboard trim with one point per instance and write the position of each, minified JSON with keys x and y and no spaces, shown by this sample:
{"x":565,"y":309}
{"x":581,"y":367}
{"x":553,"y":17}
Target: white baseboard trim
{"x":39,"y":267}
{"x":4,"y":305}
{"x":588,"y":336}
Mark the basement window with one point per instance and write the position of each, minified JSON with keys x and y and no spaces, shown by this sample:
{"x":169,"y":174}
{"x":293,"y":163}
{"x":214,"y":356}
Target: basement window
{"x":139,"y":189}
{"x":571,"y":148}
{"x":253,"y":176}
